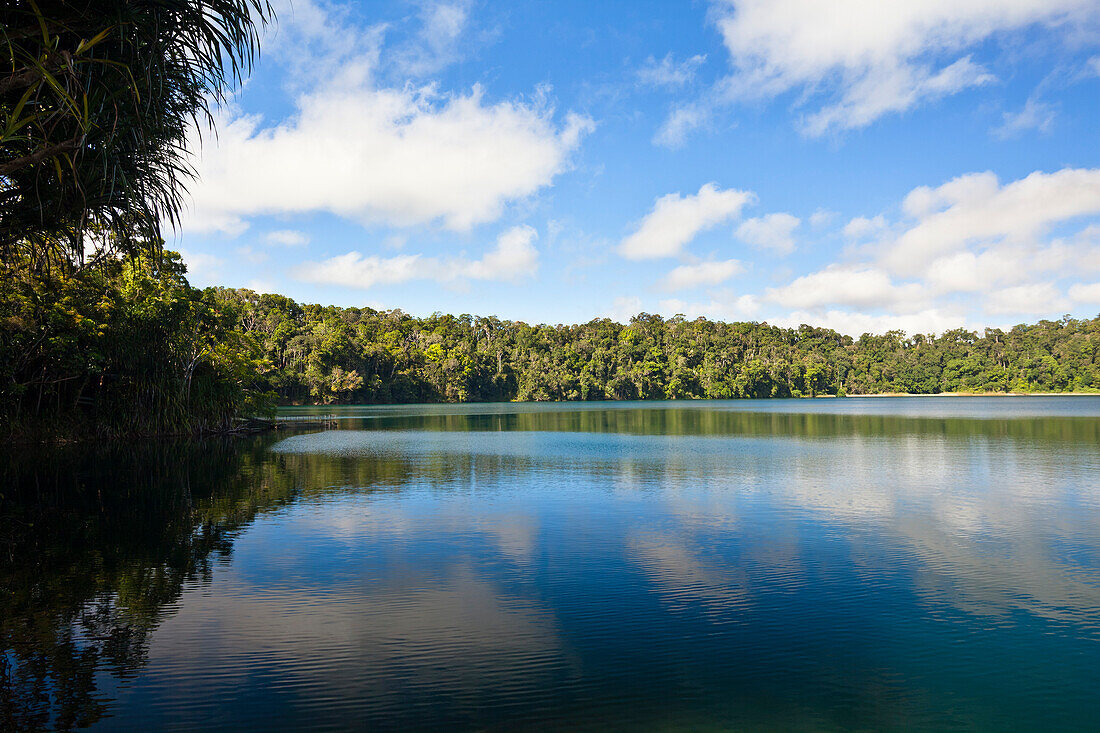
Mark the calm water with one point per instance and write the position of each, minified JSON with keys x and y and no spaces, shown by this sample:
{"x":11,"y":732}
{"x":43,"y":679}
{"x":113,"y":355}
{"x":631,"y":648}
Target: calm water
{"x":869,"y":564}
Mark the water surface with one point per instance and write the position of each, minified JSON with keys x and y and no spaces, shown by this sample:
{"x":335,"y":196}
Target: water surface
{"x":875,"y":564}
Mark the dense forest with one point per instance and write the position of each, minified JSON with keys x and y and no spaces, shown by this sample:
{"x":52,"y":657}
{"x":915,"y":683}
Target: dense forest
{"x":327,"y":354}
{"x":124,"y":346}
{"x":128,"y":346}
{"x":99,"y":330}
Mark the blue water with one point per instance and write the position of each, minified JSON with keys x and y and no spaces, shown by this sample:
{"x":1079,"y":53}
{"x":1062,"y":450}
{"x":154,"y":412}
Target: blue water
{"x":870,"y":564}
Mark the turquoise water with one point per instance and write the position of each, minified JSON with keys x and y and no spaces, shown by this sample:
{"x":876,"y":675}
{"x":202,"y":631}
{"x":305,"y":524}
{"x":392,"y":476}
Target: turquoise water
{"x":872,"y":564}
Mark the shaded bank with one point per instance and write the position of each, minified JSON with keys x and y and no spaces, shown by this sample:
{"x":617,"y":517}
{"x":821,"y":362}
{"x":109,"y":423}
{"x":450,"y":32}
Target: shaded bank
{"x":123,"y":348}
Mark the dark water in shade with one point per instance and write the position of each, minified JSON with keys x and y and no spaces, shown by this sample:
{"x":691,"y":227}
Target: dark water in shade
{"x":871,"y":564}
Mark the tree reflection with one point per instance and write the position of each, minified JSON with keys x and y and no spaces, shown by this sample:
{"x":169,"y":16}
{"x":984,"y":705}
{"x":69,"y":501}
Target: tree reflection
{"x":96,"y":544}
{"x":692,"y":420}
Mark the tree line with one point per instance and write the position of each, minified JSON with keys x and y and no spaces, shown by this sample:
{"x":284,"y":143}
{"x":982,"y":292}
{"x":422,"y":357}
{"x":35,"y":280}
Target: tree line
{"x":327,"y":354}
{"x":128,"y":346}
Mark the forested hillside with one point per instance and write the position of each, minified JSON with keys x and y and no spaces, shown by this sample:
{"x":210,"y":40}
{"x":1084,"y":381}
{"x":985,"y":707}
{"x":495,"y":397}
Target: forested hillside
{"x":128,"y":346}
{"x":324,"y":354}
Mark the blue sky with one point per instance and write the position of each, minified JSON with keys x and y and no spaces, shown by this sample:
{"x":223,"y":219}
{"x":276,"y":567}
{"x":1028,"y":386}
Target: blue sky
{"x":859,"y":164}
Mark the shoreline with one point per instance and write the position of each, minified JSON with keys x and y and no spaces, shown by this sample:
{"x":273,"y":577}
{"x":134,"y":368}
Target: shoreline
{"x":698,"y":399}
{"x":975,"y":394}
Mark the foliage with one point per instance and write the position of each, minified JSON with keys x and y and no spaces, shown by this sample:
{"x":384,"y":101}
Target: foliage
{"x":97,"y":100}
{"x":125,"y":347}
{"x":360,"y":355}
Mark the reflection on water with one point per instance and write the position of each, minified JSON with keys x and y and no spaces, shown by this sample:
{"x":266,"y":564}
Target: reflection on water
{"x":905,"y":565}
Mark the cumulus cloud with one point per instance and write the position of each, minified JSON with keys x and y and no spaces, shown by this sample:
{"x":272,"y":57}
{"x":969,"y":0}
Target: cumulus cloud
{"x":321,"y":43}
{"x":1026,"y":300}
{"x":855,"y":323}
{"x":686,"y":277}
{"x":675,"y":220}
{"x":408,"y":155}
{"x":972,"y":272}
{"x":976,"y":210}
{"x":400,"y":157}
{"x":854,"y":286}
{"x":726,"y":308}
{"x":967,"y":250}
{"x":1085,"y":293}
{"x":862,"y":59}
{"x":668,"y":72}
{"x":772,"y":231}
{"x":893,"y":90}
{"x":248,"y":254}
{"x":967,"y":272}
{"x":861,"y":227}
{"x":513,"y":258}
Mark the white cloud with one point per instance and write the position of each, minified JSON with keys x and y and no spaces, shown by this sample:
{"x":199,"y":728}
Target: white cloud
{"x":772,"y":231}
{"x":669,"y":73}
{"x":1081,"y":249}
{"x":514,"y":257}
{"x":682,"y":120}
{"x":1026,"y":300}
{"x":675,"y":220}
{"x":853,"y":286}
{"x":395,"y":242}
{"x":1085,"y":293}
{"x":409,"y":155}
{"x":1035,"y":115}
{"x":972,"y":272}
{"x":967,"y":272}
{"x":287,"y":238}
{"x":437,"y":44}
{"x":861,"y":227}
{"x":686,"y":277}
{"x":726,"y":308}
{"x":965,"y":251}
{"x":976,"y":210}
{"x":401,"y":157}
{"x":354,"y":270}
{"x":893,"y":90}
{"x":321,"y":43}
{"x":927,"y":321}
{"x":866,"y":58}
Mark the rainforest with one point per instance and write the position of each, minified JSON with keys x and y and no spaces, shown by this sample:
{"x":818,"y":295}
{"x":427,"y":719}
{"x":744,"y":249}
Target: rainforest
{"x":126,"y":345}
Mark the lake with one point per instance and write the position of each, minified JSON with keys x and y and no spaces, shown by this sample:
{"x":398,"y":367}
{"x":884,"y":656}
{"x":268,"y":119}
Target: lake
{"x":858,"y":563}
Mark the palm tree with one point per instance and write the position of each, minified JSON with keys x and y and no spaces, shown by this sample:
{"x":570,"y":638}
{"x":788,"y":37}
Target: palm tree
{"x":97,"y":98}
